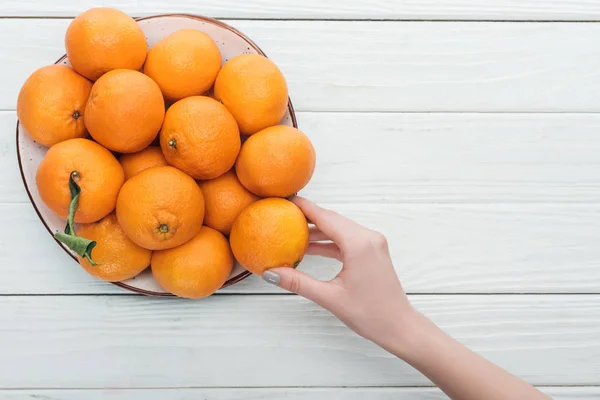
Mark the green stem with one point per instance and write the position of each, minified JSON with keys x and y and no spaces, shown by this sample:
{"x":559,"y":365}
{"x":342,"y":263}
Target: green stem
{"x":83,"y":247}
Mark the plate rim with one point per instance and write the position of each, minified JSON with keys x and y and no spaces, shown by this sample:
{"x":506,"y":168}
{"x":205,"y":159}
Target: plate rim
{"x":231,"y":281}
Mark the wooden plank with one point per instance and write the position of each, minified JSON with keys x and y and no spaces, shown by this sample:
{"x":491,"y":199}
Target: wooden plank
{"x":310,"y":9}
{"x":436,"y":248}
{"x":407,"y":66}
{"x":570,"y":393}
{"x":439,"y":158}
{"x":454,"y":157}
{"x":257,"y":341}
{"x":539,"y":160}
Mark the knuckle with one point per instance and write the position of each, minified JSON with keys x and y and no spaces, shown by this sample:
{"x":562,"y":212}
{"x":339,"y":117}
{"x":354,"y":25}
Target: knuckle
{"x":295,"y":284}
{"x":373,"y":241}
{"x":379,"y":240}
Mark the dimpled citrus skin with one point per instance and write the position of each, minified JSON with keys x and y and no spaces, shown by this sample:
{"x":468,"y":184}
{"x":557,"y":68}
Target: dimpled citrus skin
{"x":225,"y":198}
{"x":102,"y":39}
{"x":269,"y":233}
{"x":276,"y":162}
{"x":118,"y":258}
{"x":183,"y":64}
{"x":51,"y":104}
{"x":125,"y":111}
{"x":100,"y":178}
{"x":160,"y":208}
{"x":254,"y":90}
{"x":196,"y":269}
{"x":135,"y":163}
{"x":200,"y":137}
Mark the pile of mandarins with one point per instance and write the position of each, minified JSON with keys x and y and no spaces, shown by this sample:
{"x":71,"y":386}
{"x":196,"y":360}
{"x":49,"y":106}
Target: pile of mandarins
{"x":130,"y":203}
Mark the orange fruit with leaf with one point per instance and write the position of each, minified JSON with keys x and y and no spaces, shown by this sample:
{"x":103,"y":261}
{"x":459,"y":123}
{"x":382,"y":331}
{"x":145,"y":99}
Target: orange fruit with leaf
{"x":116,"y":257}
{"x":95,"y":170}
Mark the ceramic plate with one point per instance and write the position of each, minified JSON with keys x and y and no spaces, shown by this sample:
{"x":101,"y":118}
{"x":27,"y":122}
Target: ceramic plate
{"x":231,"y":43}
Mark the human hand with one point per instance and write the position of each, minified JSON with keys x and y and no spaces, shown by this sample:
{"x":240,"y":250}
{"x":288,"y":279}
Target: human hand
{"x":366,"y":295}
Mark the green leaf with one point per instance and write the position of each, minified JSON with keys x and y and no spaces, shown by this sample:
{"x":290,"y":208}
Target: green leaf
{"x":79,"y":245}
{"x":75,"y":192}
{"x":83,"y":247}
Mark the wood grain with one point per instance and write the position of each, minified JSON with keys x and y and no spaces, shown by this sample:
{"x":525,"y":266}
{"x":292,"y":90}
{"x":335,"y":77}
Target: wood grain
{"x":386,"y":66}
{"x":311,"y":9}
{"x":571,"y":393}
{"x":256,"y":341}
{"x":436,"y":249}
{"x":431,"y":158}
{"x":422,"y":132}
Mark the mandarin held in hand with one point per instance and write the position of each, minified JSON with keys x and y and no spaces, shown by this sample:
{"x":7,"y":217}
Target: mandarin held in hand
{"x":254,"y":90}
{"x":200,"y":137}
{"x":125,"y":111}
{"x":51,"y":104}
{"x":224,"y":198}
{"x":195,"y":269}
{"x":118,"y":258}
{"x":183,"y":64}
{"x":102,"y":39}
{"x":276,"y":162}
{"x":269,"y":233}
{"x":92,"y":167}
{"x":160,"y":208}
{"x":134,"y":163}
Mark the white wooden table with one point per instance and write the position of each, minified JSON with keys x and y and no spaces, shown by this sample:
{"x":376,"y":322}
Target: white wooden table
{"x":468,"y":131}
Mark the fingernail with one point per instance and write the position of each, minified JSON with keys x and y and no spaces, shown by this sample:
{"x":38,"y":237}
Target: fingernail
{"x":271,"y":277}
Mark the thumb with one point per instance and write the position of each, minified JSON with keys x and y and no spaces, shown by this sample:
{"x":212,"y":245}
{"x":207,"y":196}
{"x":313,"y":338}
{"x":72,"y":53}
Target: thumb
{"x":298,"y":282}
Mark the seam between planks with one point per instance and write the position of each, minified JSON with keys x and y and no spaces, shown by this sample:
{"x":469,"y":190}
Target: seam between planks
{"x":462,"y":20}
{"x":284,"y":294}
{"x":275,"y":388}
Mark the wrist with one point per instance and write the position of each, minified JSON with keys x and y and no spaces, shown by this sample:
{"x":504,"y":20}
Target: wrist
{"x":405,"y":334}
{"x":417,"y":337}
{"x":424,"y":343}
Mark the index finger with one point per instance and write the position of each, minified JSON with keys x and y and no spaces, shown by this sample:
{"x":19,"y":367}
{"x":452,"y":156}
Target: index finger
{"x":329,"y":222}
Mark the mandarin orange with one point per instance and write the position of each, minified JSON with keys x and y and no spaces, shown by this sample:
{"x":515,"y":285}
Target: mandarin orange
{"x":200,"y":137}
{"x":125,"y":111}
{"x":160,"y":208}
{"x":93,"y":168}
{"x":183,"y":64}
{"x":51,"y":104}
{"x":118,"y":258}
{"x":134,"y":163}
{"x":269,"y":233}
{"x":197,"y":268}
{"x":225,"y":198}
{"x":276,"y":162}
{"x":254,"y":90}
{"x":102,"y":39}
